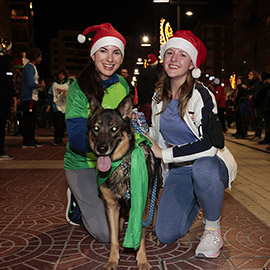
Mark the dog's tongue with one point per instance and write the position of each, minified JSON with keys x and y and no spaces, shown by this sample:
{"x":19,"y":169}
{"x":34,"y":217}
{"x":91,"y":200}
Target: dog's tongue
{"x":104,"y":163}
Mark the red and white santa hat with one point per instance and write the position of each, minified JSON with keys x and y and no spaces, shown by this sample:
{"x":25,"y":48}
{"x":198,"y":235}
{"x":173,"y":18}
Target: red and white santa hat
{"x":188,"y":42}
{"x":106,"y":35}
{"x":151,"y":59}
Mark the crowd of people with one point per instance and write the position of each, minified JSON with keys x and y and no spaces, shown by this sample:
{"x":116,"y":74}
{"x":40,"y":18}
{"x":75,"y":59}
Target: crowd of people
{"x":33,"y":102}
{"x":248,"y":106}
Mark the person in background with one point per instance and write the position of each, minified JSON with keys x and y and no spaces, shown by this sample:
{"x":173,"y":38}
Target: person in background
{"x":7,"y":93}
{"x":241,"y":108}
{"x":30,"y":88}
{"x":124,"y":72}
{"x":146,"y":86}
{"x":57,"y":102}
{"x":261,"y":104}
{"x":221,"y":101}
{"x":97,"y":84}
{"x":230,"y":110}
{"x":254,"y":119}
{"x":17,"y":77}
{"x":198,"y":171}
{"x":72,"y":75}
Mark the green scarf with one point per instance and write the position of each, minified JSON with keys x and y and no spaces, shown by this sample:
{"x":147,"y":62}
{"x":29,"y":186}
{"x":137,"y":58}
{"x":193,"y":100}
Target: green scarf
{"x":138,"y":189}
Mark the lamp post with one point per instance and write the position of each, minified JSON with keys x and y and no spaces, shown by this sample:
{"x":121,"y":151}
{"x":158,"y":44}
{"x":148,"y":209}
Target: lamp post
{"x":178,"y":3}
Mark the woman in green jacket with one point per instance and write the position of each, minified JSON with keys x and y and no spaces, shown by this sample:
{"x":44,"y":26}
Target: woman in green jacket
{"x":97,"y":83}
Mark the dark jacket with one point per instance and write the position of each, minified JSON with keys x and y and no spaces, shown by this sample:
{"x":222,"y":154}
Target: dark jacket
{"x":7,"y":90}
{"x":146,"y":85}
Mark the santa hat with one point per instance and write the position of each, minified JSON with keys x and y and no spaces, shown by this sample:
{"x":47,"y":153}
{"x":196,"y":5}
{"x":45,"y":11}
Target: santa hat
{"x":106,"y":35}
{"x":151,"y":59}
{"x":18,"y":63}
{"x":188,"y":42}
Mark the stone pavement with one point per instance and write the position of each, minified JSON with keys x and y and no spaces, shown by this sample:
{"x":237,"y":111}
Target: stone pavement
{"x":35,"y":235}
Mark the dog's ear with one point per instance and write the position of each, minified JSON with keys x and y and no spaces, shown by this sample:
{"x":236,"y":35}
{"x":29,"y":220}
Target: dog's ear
{"x":95,"y":109}
{"x":94,"y":104}
{"x":125,"y":107}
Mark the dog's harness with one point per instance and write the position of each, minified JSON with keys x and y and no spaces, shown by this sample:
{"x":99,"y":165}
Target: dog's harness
{"x":139,"y":189}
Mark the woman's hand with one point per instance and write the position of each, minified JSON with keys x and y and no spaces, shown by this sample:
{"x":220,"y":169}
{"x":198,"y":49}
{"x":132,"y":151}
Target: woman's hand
{"x":155,"y":148}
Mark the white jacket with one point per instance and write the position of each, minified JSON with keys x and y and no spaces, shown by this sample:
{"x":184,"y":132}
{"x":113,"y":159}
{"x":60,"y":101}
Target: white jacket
{"x":200,"y":105}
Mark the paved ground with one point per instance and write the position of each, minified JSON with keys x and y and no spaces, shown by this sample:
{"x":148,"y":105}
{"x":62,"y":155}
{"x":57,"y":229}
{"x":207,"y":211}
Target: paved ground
{"x":35,"y":235}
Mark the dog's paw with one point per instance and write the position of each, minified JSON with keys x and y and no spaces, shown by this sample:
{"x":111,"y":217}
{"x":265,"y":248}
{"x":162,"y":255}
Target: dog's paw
{"x":110,"y":266}
{"x":144,"y":266}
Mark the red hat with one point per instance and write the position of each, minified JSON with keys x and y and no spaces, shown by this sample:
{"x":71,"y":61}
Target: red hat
{"x":106,"y":35}
{"x":152,"y":60}
{"x":188,"y":42}
{"x":18,"y":63}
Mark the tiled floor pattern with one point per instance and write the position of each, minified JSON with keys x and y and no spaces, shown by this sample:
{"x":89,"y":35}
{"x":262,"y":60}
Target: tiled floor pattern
{"x":252,"y":186}
{"x":34,"y":233}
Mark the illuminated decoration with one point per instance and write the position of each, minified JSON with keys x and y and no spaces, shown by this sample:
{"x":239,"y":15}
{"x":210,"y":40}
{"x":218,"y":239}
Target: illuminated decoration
{"x":145,"y":63}
{"x":233,"y":81}
{"x":5,"y":45}
{"x":136,"y":71}
{"x":165,"y":32}
{"x":15,"y":16}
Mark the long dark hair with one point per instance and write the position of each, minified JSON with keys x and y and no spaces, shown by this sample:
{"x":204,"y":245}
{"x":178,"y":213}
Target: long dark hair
{"x":90,"y":83}
{"x":185,"y":91}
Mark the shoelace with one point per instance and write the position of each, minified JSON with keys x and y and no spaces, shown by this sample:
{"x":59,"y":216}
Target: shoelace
{"x":208,"y":236}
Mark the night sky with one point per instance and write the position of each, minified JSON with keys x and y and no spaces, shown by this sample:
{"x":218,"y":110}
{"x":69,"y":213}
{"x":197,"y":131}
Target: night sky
{"x":130,"y":18}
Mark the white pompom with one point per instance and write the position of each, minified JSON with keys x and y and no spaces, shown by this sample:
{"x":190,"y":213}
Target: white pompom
{"x":196,"y":73}
{"x":81,"y":38}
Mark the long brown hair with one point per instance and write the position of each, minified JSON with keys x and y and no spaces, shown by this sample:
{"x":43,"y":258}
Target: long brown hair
{"x":90,"y":83}
{"x":163,"y":88}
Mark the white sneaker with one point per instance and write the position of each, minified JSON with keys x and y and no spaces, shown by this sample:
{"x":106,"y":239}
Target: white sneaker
{"x":6,"y":157}
{"x":211,"y":243}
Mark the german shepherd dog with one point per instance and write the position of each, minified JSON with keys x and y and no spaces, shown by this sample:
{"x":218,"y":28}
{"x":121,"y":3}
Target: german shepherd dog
{"x":111,"y":137}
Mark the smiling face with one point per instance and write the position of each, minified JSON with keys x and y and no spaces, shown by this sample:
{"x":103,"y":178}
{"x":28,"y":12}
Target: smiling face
{"x":107,"y":60}
{"x":177,"y":63}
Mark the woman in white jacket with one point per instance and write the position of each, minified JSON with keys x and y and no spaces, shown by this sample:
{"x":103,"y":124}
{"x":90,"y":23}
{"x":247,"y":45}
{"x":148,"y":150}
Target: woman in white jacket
{"x":197,"y":169}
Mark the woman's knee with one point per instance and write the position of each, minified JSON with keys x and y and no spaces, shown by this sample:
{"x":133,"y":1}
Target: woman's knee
{"x":98,"y":230}
{"x":208,"y":170}
{"x":205,"y":168}
{"x":168,"y":235}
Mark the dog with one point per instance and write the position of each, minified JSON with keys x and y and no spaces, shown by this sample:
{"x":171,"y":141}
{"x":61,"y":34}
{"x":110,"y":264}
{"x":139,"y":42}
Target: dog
{"x":111,"y":137}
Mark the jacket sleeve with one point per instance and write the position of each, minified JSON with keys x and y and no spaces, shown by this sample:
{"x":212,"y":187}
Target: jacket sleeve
{"x":77,"y":130}
{"x":50,"y":95}
{"x":76,"y":120}
{"x":30,"y":77}
{"x":189,"y":152}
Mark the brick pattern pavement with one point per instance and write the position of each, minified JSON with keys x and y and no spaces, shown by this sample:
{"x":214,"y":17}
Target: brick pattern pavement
{"x":35,"y":235}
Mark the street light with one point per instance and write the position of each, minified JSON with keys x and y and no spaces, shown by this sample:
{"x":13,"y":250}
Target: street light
{"x":139,"y":61}
{"x":189,"y":13}
{"x":145,"y":42}
{"x":178,"y":3}
{"x":145,"y":39}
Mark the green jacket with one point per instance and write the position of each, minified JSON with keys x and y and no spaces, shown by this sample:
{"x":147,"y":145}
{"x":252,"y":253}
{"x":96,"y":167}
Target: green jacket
{"x":77,"y":112}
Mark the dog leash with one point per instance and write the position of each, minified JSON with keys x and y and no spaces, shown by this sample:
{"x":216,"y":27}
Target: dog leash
{"x":152,"y":203}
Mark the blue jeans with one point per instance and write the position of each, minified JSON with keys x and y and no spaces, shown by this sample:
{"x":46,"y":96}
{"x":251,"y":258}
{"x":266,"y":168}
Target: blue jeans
{"x":205,"y":180}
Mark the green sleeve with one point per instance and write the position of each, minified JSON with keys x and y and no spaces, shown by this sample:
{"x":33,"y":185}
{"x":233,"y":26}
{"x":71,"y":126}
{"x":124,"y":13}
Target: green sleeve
{"x":123,"y":81}
{"x":77,"y":105}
